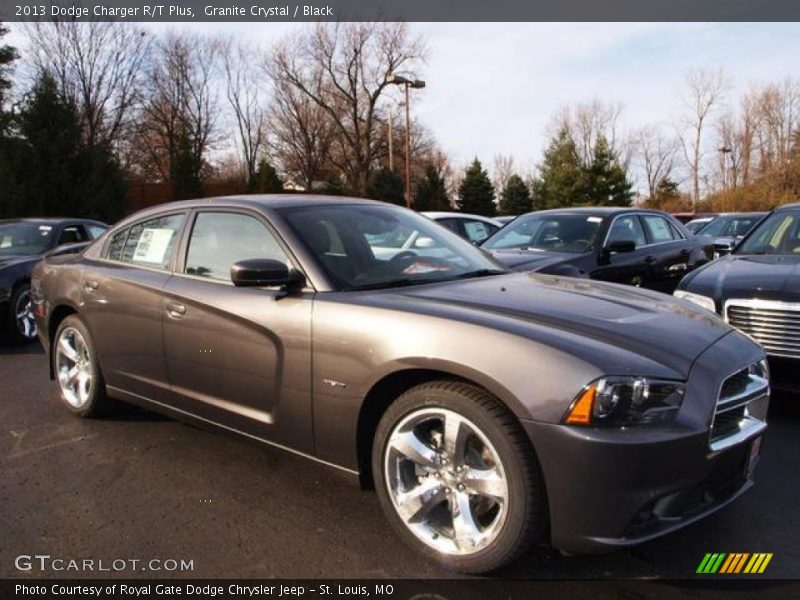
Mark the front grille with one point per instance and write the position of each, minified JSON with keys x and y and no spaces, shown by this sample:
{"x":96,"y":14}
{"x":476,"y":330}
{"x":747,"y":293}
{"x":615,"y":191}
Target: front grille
{"x":741,"y":409}
{"x":775,"y":325}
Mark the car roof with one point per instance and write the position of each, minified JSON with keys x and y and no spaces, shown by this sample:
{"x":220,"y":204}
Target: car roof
{"x":599,"y":211}
{"x":792,"y":206}
{"x":439,"y":214}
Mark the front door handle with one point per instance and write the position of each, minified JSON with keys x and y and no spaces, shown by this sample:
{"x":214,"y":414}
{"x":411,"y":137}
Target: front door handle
{"x":176,"y":311}
{"x":91,"y":285}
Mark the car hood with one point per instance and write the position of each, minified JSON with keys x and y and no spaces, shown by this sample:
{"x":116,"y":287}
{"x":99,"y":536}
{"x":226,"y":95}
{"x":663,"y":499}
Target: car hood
{"x":9,"y":261}
{"x":564,"y":312}
{"x":747,"y":276}
{"x":529,"y":260}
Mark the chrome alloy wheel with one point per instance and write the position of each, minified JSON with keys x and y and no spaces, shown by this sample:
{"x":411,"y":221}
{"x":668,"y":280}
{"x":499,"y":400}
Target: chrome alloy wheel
{"x":446,"y":481}
{"x":74,"y":367}
{"x":23,"y":314}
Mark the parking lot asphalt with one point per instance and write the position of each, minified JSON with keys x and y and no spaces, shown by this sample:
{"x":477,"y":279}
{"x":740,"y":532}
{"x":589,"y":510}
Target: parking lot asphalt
{"x":140,"y":486}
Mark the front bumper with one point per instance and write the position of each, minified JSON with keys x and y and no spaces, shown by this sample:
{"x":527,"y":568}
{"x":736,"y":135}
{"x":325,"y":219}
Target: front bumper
{"x":611,"y":488}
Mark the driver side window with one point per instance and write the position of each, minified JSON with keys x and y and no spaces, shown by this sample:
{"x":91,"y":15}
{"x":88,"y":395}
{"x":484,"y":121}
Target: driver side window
{"x":627,"y":228}
{"x":221,"y":239}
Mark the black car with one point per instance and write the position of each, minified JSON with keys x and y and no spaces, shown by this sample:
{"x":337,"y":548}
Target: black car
{"x":756,"y":288}
{"x":22,"y":243}
{"x":729,"y":229}
{"x":645,"y":248}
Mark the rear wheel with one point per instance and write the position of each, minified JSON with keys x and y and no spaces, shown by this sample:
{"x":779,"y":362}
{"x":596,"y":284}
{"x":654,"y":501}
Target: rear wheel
{"x":77,"y":370}
{"x":457,"y":477}
{"x":21,"y":321}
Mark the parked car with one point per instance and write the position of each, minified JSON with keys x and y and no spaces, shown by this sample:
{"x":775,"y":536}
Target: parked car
{"x":756,"y":288}
{"x":22,"y":243}
{"x":696,"y":224}
{"x":474,"y":228}
{"x":728,"y":229}
{"x":644,"y":248}
{"x":270,"y":316}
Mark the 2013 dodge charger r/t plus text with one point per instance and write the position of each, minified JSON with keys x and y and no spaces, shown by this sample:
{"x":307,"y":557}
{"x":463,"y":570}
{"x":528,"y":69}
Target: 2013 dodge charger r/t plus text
{"x":489,"y":409}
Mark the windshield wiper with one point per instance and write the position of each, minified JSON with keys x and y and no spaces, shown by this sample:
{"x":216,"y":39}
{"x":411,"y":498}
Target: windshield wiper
{"x":382,"y":285}
{"x":478,"y":273}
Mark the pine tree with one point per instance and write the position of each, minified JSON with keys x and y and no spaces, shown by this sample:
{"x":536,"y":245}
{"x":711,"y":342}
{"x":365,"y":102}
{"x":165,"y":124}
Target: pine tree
{"x":8,"y":54}
{"x":515,"y":198}
{"x":386,"y":185}
{"x":267,"y":180}
{"x":476,"y":193}
{"x":562,"y":178}
{"x":431,"y":191}
{"x":607,"y":181}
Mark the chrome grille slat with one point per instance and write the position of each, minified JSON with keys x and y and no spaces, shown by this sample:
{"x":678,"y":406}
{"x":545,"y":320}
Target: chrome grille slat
{"x":775,"y":325}
{"x":740,"y":411}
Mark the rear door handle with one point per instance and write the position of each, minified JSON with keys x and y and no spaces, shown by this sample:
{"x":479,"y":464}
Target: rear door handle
{"x":91,"y":285}
{"x":176,"y":311}
{"x":649,"y":259}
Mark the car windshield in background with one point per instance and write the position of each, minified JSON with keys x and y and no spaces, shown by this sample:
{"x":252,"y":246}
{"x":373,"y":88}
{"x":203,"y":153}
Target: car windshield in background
{"x":777,"y":234}
{"x":24,"y":239}
{"x":573,"y":233}
{"x":372,"y":247}
{"x":730,"y":226}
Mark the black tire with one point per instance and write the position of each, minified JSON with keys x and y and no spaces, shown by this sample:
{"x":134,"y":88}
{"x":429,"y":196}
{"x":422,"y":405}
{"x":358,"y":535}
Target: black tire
{"x":525,"y":518}
{"x":97,"y":403}
{"x":18,"y":298}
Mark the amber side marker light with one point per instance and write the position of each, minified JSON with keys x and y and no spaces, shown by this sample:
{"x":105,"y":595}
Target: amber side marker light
{"x":581,"y":411}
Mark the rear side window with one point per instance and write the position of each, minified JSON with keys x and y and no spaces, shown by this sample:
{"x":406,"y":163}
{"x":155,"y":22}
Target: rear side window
{"x":221,"y":239}
{"x":117,"y":244}
{"x":72,"y":234}
{"x":659,"y":229}
{"x":95,"y":231}
{"x":150,"y":243}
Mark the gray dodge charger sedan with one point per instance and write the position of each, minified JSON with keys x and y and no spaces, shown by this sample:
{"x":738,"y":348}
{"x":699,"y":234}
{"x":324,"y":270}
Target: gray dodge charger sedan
{"x":490,"y":410}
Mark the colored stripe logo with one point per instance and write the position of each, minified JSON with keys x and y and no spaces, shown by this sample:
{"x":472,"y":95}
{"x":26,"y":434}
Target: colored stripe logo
{"x":734,"y":563}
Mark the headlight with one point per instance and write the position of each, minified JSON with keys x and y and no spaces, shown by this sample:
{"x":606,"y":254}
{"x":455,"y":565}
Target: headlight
{"x":704,"y":301}
{"x":619,"y":401}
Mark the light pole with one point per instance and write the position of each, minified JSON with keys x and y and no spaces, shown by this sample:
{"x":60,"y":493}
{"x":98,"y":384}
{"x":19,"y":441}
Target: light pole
{"x":723,"y":151}
{"x":395,"y":79}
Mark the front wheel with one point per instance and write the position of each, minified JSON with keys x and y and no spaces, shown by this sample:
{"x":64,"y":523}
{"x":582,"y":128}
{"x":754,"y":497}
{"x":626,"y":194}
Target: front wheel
{"x":21,"y":321}
{"x":457,"y":477}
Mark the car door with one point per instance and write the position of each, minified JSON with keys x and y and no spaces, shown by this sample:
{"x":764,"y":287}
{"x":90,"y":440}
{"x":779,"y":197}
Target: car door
{"x":122,"y":293}
{"x":669,"y":250}
{"x":240,"y":356}
{"x":629,"y":268}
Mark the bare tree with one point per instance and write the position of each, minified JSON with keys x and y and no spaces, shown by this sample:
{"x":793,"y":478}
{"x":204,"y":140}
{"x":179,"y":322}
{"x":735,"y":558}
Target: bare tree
{"x":301,"y":136}
{"x":502,"y":169}
{"x":656,"y":153}
{"x":705,"y":92}
{"x":245,"y":94}
{"x":586,"y":122}
{"x":178,"y":121}
{"x":342,"y":68}
{"x":98,"y":65}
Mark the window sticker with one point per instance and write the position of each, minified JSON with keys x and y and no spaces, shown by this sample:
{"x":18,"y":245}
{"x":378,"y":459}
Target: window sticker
{"x":45,"y":230}
{"x":152,"y":246}
{"x":7,"y":242}
{"x":594,"y":219}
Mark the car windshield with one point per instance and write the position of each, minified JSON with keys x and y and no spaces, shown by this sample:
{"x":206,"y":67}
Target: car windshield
{"x":730,"y":226}
{"x":573,"y":233}
{"x":372,"y":246}
{"x":777,"y":234}
{"x":697,"y":224}
{"x":25,"y":239}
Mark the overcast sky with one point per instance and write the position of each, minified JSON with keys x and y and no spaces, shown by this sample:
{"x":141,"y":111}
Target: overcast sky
{"x":492,"y":87}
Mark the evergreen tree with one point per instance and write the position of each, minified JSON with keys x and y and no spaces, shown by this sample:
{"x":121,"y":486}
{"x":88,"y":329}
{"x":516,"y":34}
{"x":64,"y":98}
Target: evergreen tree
{"x":515,"y":199}
{"x":476,"y":193}
{"x":431,"y":192}
{"x":386,"y":185}
{"x":606,"y":180}
{"x":267,"y":180}
{"x":562,"y":178}
{"x":8,"y":54}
